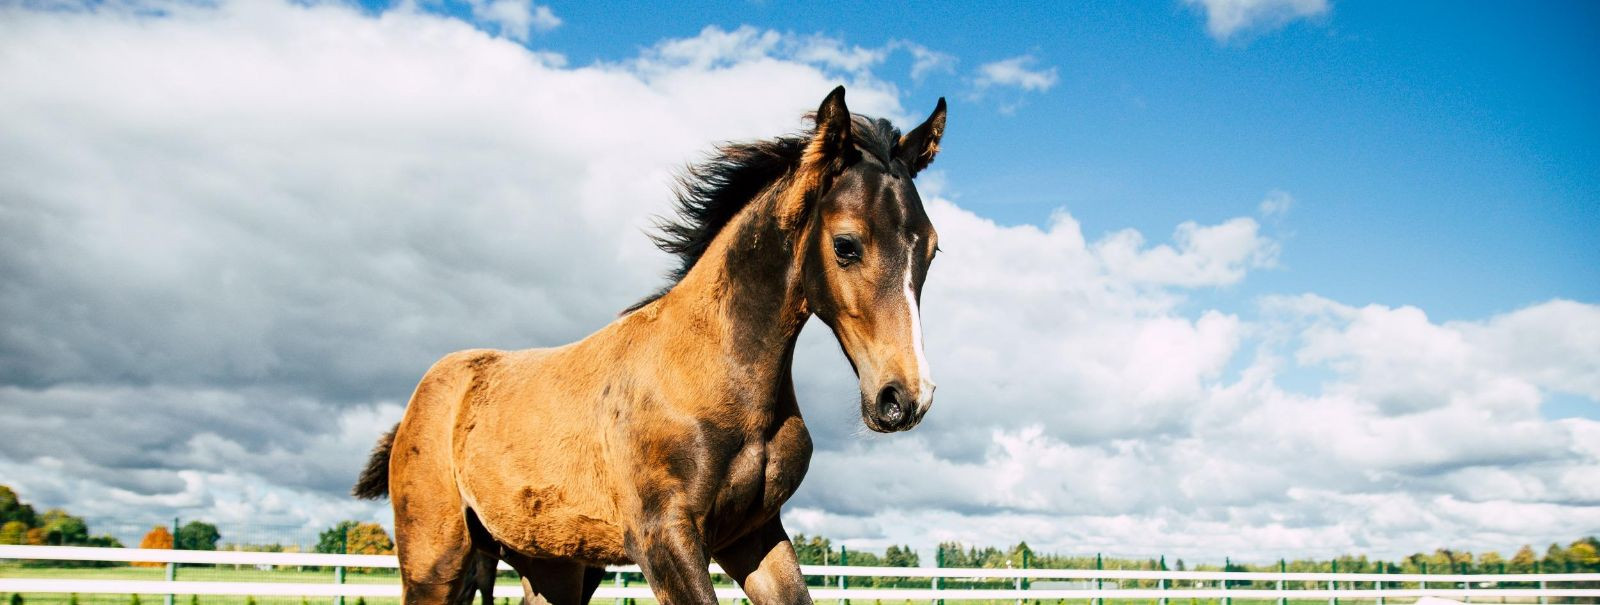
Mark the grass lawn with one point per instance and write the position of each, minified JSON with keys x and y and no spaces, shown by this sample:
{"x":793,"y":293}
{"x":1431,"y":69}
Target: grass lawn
{"x":389,"y":576}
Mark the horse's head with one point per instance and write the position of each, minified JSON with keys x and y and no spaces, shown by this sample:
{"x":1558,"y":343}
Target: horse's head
{"x":867,"y":245}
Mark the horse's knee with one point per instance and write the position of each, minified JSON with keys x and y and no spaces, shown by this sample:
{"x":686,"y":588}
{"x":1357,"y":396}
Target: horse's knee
{"x":772,"y":588}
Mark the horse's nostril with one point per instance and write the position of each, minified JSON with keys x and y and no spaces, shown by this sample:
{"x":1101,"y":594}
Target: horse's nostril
{"x":889,"y":403}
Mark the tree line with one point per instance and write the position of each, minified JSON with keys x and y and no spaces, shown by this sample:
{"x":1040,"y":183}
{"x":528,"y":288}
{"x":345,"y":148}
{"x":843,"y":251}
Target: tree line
{"x":21,"y":524}
{"x":1581,"y":555}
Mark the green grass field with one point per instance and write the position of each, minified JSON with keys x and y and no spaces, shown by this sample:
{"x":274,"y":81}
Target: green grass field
{"x":387,"y":576}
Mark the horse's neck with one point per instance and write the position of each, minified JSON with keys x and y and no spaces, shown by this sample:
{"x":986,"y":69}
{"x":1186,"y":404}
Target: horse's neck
{"x":744,"y":301}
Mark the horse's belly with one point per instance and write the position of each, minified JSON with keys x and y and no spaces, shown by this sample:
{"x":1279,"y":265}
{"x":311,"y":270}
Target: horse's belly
{"x":548,"y":523}
{"x":543,"y":500}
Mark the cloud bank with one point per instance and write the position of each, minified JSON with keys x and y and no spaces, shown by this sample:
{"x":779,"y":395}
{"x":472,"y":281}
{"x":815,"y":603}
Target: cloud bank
{"x":235,"y":236}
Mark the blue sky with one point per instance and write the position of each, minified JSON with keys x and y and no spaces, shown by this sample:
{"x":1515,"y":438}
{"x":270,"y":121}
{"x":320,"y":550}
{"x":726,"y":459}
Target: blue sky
{"x":1440,"y":154}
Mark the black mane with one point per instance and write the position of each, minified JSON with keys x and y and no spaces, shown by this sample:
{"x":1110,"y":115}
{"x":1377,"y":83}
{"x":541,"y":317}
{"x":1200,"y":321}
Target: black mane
{"x":712,"y":192}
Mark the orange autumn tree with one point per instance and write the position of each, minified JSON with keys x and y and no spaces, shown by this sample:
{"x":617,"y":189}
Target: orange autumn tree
{"x":158,"y":537}
{"x":368,"y":539}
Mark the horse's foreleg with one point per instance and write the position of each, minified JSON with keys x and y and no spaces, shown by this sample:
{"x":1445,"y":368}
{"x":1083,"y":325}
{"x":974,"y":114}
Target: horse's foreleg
{"x":672,"y":554}
{"x":764,"y":564}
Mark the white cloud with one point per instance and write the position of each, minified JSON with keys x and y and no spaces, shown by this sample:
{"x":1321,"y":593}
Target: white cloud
{"x":1206,"y":256}
{"x":1226,"y":18}
{"x":1017,"y":72}
{"x":925,"y":61}
{"x":234,"y":237}
{"x":515,"y":19}
{"x":834,"y":53}
{"x":1276,"y":204}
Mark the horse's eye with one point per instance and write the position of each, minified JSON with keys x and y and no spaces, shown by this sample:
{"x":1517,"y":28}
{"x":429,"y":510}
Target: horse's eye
{"x":846,"y":249}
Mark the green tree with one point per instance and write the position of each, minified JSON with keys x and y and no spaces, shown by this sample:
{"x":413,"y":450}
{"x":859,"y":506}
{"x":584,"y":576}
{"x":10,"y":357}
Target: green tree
{"x":197,"y":535}
{"x":813,"y":550}
{"x":1584,"y":554}
{"x":901,"y":556}
{"x":334,"y":539}
{"x":14,"y":532}
{"x":13,"y":509}
{"x":1490,"y":562}
{"x":61,"y":528}
{"x":1018,"y":555}
{"x":951,"y":555}
{"x":1555,"y":558}
{"x":1523,"y":561}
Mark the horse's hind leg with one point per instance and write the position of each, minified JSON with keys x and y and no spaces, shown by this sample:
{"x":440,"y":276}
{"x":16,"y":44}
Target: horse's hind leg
{"x":434,"y":564}
{"x":480,"y":579}
{"x":431,"y":536}
{"x":592,"y":577}
{"x":430,"y":523}
{"x":488,"y":568}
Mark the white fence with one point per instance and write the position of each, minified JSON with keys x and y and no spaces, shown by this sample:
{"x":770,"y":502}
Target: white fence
{"x":1172,"y":584}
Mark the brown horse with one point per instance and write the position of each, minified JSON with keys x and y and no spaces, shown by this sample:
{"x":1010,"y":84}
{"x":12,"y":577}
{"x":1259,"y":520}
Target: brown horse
{"x":672,"y":437}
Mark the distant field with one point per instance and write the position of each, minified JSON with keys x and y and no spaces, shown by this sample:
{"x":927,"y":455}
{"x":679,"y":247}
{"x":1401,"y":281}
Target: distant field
{"x":251,"y":574}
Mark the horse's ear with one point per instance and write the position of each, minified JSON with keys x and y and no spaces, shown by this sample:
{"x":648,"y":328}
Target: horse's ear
{"x":827,"y":146}
{"x":918,"y":147}
{"x":833,"y":129}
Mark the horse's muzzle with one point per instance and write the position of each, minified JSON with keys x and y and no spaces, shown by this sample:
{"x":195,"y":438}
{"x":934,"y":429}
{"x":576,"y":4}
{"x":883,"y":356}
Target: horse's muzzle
{"x":893,"y":410}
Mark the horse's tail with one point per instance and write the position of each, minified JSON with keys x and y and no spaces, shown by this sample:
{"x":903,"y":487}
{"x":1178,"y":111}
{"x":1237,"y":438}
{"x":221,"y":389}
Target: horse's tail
{"x":374,"y":481}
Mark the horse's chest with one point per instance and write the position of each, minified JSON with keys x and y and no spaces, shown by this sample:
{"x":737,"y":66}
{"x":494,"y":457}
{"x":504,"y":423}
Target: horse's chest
{"x":762,"y":475}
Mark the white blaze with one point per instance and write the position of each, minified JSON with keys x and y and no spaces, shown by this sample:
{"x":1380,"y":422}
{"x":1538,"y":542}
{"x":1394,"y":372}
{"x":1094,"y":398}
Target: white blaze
{"x":925,"y":384}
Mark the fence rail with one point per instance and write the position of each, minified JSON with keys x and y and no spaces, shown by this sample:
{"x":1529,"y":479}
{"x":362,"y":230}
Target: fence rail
{"x":1378,"y":586}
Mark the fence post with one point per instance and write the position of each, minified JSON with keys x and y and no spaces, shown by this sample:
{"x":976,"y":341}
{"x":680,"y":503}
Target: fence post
{"x":1226,"y":563}
{"x":1099,"y":583}
{"x":1161,"y":583}
{"x":1021,"y":582}
{"x":1461,"y":568}
{"x":1333,"y":584}
{"x":1423,"y":567}
{"x":338,"y":578}
{"x":1027,"y":563}
{"x":938,"y":581}
{"x":1383,"y":568}
{"x":620,"y":583}
{"x":844,"y":582}
{"x":338,"y":572}
{"x":172,"y":568}
{"x":1539,"y":569}
{"x":1497,"y":584}
{"x":1283,"y":568}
